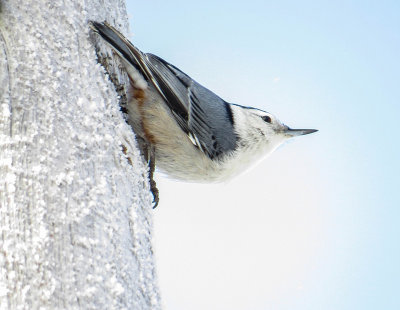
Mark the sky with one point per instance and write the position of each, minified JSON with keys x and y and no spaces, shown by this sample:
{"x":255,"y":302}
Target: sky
{"x":317,"y":224}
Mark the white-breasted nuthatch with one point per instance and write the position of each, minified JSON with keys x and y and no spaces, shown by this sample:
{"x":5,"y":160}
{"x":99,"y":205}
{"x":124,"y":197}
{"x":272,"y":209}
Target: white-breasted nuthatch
{"x":193,"y":134}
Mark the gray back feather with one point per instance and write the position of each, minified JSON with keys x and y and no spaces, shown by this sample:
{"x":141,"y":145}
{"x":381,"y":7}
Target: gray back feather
{"x":200,"y":112}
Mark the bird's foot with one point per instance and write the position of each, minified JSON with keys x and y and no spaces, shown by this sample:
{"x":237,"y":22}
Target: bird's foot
{"x":153,"y":184}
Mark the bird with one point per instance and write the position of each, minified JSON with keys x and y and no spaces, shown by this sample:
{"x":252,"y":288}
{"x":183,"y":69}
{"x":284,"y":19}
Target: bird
{"x":184,"y":129}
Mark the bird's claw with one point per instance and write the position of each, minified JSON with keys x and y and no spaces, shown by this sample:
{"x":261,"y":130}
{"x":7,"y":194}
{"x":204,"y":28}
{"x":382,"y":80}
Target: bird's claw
{"x":155,"y":192}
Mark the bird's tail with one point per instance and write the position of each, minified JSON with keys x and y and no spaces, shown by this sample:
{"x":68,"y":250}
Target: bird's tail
{"x":127,"y":51}
{"x":119,"y":43}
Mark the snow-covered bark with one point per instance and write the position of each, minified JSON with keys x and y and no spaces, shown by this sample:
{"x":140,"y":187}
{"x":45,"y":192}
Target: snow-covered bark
{"x":75,"y":206}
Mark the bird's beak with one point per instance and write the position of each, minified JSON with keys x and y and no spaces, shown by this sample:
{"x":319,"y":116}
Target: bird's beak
{"x":298,"y":132}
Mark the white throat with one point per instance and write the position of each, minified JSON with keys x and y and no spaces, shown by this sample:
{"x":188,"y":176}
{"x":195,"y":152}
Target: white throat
{"x":253,"y":145}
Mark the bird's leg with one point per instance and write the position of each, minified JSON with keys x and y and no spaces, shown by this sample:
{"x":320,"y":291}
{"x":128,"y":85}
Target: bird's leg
{"x":153,"y":184}
{"x":148,"y":153}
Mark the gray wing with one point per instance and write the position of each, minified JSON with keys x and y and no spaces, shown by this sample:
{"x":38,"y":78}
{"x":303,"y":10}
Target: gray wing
{"x":205,"y":117}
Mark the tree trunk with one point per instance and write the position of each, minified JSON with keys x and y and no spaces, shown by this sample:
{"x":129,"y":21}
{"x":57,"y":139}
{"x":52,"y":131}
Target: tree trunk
{"x":75,"y":206}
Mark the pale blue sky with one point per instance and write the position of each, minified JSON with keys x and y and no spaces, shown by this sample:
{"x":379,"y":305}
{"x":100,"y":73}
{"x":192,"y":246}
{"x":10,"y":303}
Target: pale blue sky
{"x":316,"y":225}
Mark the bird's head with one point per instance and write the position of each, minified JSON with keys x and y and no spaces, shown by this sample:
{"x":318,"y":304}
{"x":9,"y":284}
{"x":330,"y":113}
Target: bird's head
{"x":257,"y":126}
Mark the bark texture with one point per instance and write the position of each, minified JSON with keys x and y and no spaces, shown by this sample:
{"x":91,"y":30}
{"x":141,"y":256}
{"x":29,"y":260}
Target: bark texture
{"x":75,"y":206}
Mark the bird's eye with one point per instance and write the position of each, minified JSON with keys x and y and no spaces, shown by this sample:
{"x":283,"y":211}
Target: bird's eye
{"x":266,"y":118}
